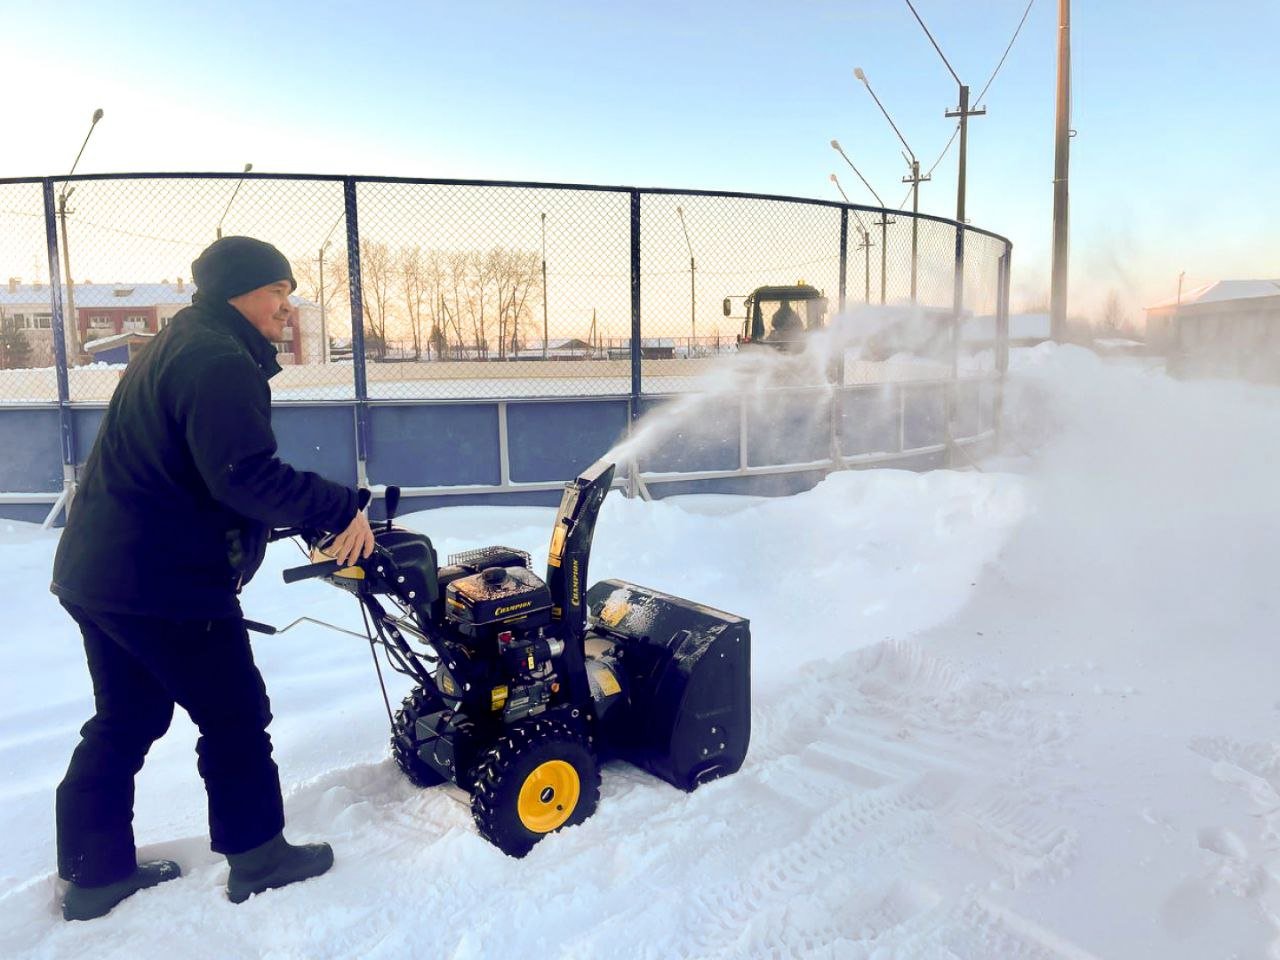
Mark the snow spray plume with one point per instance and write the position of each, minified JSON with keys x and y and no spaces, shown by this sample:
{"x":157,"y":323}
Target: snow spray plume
{"x":790,"y":393}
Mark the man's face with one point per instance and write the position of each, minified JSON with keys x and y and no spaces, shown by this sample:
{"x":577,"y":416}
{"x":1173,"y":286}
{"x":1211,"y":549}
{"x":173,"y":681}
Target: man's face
{"x":267,"y":308}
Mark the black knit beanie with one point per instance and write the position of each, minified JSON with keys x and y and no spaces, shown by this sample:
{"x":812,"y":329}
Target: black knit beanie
{"x":234,"y":265}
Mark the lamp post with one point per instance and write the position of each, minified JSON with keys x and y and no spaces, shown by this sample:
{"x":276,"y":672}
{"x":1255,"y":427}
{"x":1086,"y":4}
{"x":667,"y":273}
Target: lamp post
{"x":239,"y":184}
{"x":544,"y":287}
{"x":72,"y":332}
{"x":693,"y":313}
{"x":915,"y":180}
{"x":324,"y":326}
{"x":864,"y":244}
{"x":883,"y":222}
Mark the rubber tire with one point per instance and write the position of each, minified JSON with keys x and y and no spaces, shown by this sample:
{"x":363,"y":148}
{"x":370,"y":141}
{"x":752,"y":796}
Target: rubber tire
{"x":510,"y":761}
{"x":418,"y":703}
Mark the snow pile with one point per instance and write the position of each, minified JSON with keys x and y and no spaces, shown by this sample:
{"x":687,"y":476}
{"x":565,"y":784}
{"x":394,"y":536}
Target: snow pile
{"x":1026,"y":713}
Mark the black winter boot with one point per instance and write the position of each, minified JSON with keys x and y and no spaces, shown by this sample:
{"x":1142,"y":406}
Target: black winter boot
{"x":88,"y":903}
{"x":275,"y":863}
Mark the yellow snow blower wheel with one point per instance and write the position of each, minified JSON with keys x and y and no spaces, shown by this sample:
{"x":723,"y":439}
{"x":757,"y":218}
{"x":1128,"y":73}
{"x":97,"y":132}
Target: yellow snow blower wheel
{"x":548,"y":796}
{"x":540,"y":776}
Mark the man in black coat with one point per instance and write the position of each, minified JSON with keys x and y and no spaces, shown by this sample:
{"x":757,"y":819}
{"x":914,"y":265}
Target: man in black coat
{"x":169,"y":522}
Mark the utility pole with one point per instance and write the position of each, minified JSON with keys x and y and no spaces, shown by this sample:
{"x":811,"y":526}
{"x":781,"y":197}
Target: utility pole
{"x":864,"y":244}
{"x":1061,"y":163}
{"x":915,"y":180}
{"x":882,"y":223}
{"x":964,"y":113}
{"x":324,"y":324}
{"x":693,"y":312}
{"x":73,"y":326}
{"x":544,"y":286}
{"x":957,"y":288}
{"x":239,"y":184}
{"x":72,"y":332}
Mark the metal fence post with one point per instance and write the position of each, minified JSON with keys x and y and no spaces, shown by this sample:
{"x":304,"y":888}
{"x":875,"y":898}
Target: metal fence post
{"x":1002,"y":338}
{"x":957,"y":302}
{"x":957,"y":307}
{"x":357,"y":331}
{"x":844,"y":253}
{"x":837,"y":395}
{"x":635,"y":305}
{"x":58,"y":331}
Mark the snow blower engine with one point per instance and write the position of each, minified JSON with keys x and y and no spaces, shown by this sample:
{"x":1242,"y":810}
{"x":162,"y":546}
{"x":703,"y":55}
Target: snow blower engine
{"x":523,"y":687}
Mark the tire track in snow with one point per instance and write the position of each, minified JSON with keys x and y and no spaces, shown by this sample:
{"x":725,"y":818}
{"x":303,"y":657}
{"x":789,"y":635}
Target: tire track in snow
{"x":861,"y":829}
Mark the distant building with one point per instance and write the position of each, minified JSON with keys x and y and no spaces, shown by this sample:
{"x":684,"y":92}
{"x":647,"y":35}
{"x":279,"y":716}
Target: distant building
{"x":1025,"y":330}
{"x":112,"y":309}
{"x":117,"y":348}
{"x":1224,"y":328}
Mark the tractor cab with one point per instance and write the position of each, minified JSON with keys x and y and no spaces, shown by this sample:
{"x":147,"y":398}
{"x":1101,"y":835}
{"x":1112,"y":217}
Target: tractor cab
{"x":779,"y":317}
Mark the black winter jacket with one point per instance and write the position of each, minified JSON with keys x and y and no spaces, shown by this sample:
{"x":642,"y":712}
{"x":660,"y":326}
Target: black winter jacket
{"x":183,"y":483}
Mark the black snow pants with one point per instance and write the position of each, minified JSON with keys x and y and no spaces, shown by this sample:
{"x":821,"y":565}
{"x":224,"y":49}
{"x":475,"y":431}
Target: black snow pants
{"x":141,"y":666}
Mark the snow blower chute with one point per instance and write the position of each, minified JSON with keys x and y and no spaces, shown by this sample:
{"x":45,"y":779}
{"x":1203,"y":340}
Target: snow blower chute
{"x":524,"y":686}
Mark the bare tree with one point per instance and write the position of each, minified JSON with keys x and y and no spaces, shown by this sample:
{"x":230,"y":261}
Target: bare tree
{"x":457,"y":273}
{"x":515,"y":272}
{"x":306,"y":270}
{"x":335,"y":298}
{"x":434,"y":289}
{"x":376,"y":268}
{"x":479,"y":270}
{"x":411,"y":272}
{"x":1113,"y":314}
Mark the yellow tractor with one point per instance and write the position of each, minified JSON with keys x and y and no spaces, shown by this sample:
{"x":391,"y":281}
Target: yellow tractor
{"x":780,"y":317}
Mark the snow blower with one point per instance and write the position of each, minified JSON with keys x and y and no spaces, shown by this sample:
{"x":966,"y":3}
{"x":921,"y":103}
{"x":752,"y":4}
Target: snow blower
{"x":523,"y":687}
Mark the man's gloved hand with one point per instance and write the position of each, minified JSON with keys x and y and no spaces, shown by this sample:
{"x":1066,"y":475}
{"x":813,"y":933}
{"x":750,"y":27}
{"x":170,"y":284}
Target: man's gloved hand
{"x":354,"y":543}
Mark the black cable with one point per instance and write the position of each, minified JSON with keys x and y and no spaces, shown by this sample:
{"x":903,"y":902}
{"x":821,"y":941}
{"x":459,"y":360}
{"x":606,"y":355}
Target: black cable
{"x":931,"y":40}
{"x":1025,"y":13}
{"x":956,"y":132}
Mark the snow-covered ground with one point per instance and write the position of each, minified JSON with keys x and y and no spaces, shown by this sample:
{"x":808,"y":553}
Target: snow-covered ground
{"x":1029,"y":712}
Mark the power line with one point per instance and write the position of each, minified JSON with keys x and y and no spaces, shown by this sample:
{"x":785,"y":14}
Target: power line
{"x":1013,"y":39}
{"x":933,"y":41}
{"x":956,"y":132}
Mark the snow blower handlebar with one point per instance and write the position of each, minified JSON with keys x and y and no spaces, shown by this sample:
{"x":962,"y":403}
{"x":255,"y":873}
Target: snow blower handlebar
{"x":309,"y":571}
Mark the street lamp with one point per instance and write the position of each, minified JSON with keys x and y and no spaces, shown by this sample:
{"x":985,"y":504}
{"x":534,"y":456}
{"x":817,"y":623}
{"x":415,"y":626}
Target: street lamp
{"x":239,"y":183}
{"x":883,"y":222}
{"x":915,"y":180}
{"x":324,"y":326}
{"x":693,"y":313}
{"x":864,"y":245}
{"x":72,"y":327}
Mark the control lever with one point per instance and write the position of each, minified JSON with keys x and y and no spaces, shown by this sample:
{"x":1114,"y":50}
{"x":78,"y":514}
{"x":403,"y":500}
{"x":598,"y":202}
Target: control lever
{"x":393,"y":503}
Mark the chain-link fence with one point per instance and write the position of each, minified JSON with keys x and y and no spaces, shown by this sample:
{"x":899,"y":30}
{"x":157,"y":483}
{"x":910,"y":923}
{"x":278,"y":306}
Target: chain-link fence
{"x":477,"y":290}
{"x":434,"y":291}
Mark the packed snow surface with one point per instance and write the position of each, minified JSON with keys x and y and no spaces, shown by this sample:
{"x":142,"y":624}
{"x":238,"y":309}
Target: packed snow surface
{"x":1026,"y":712}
